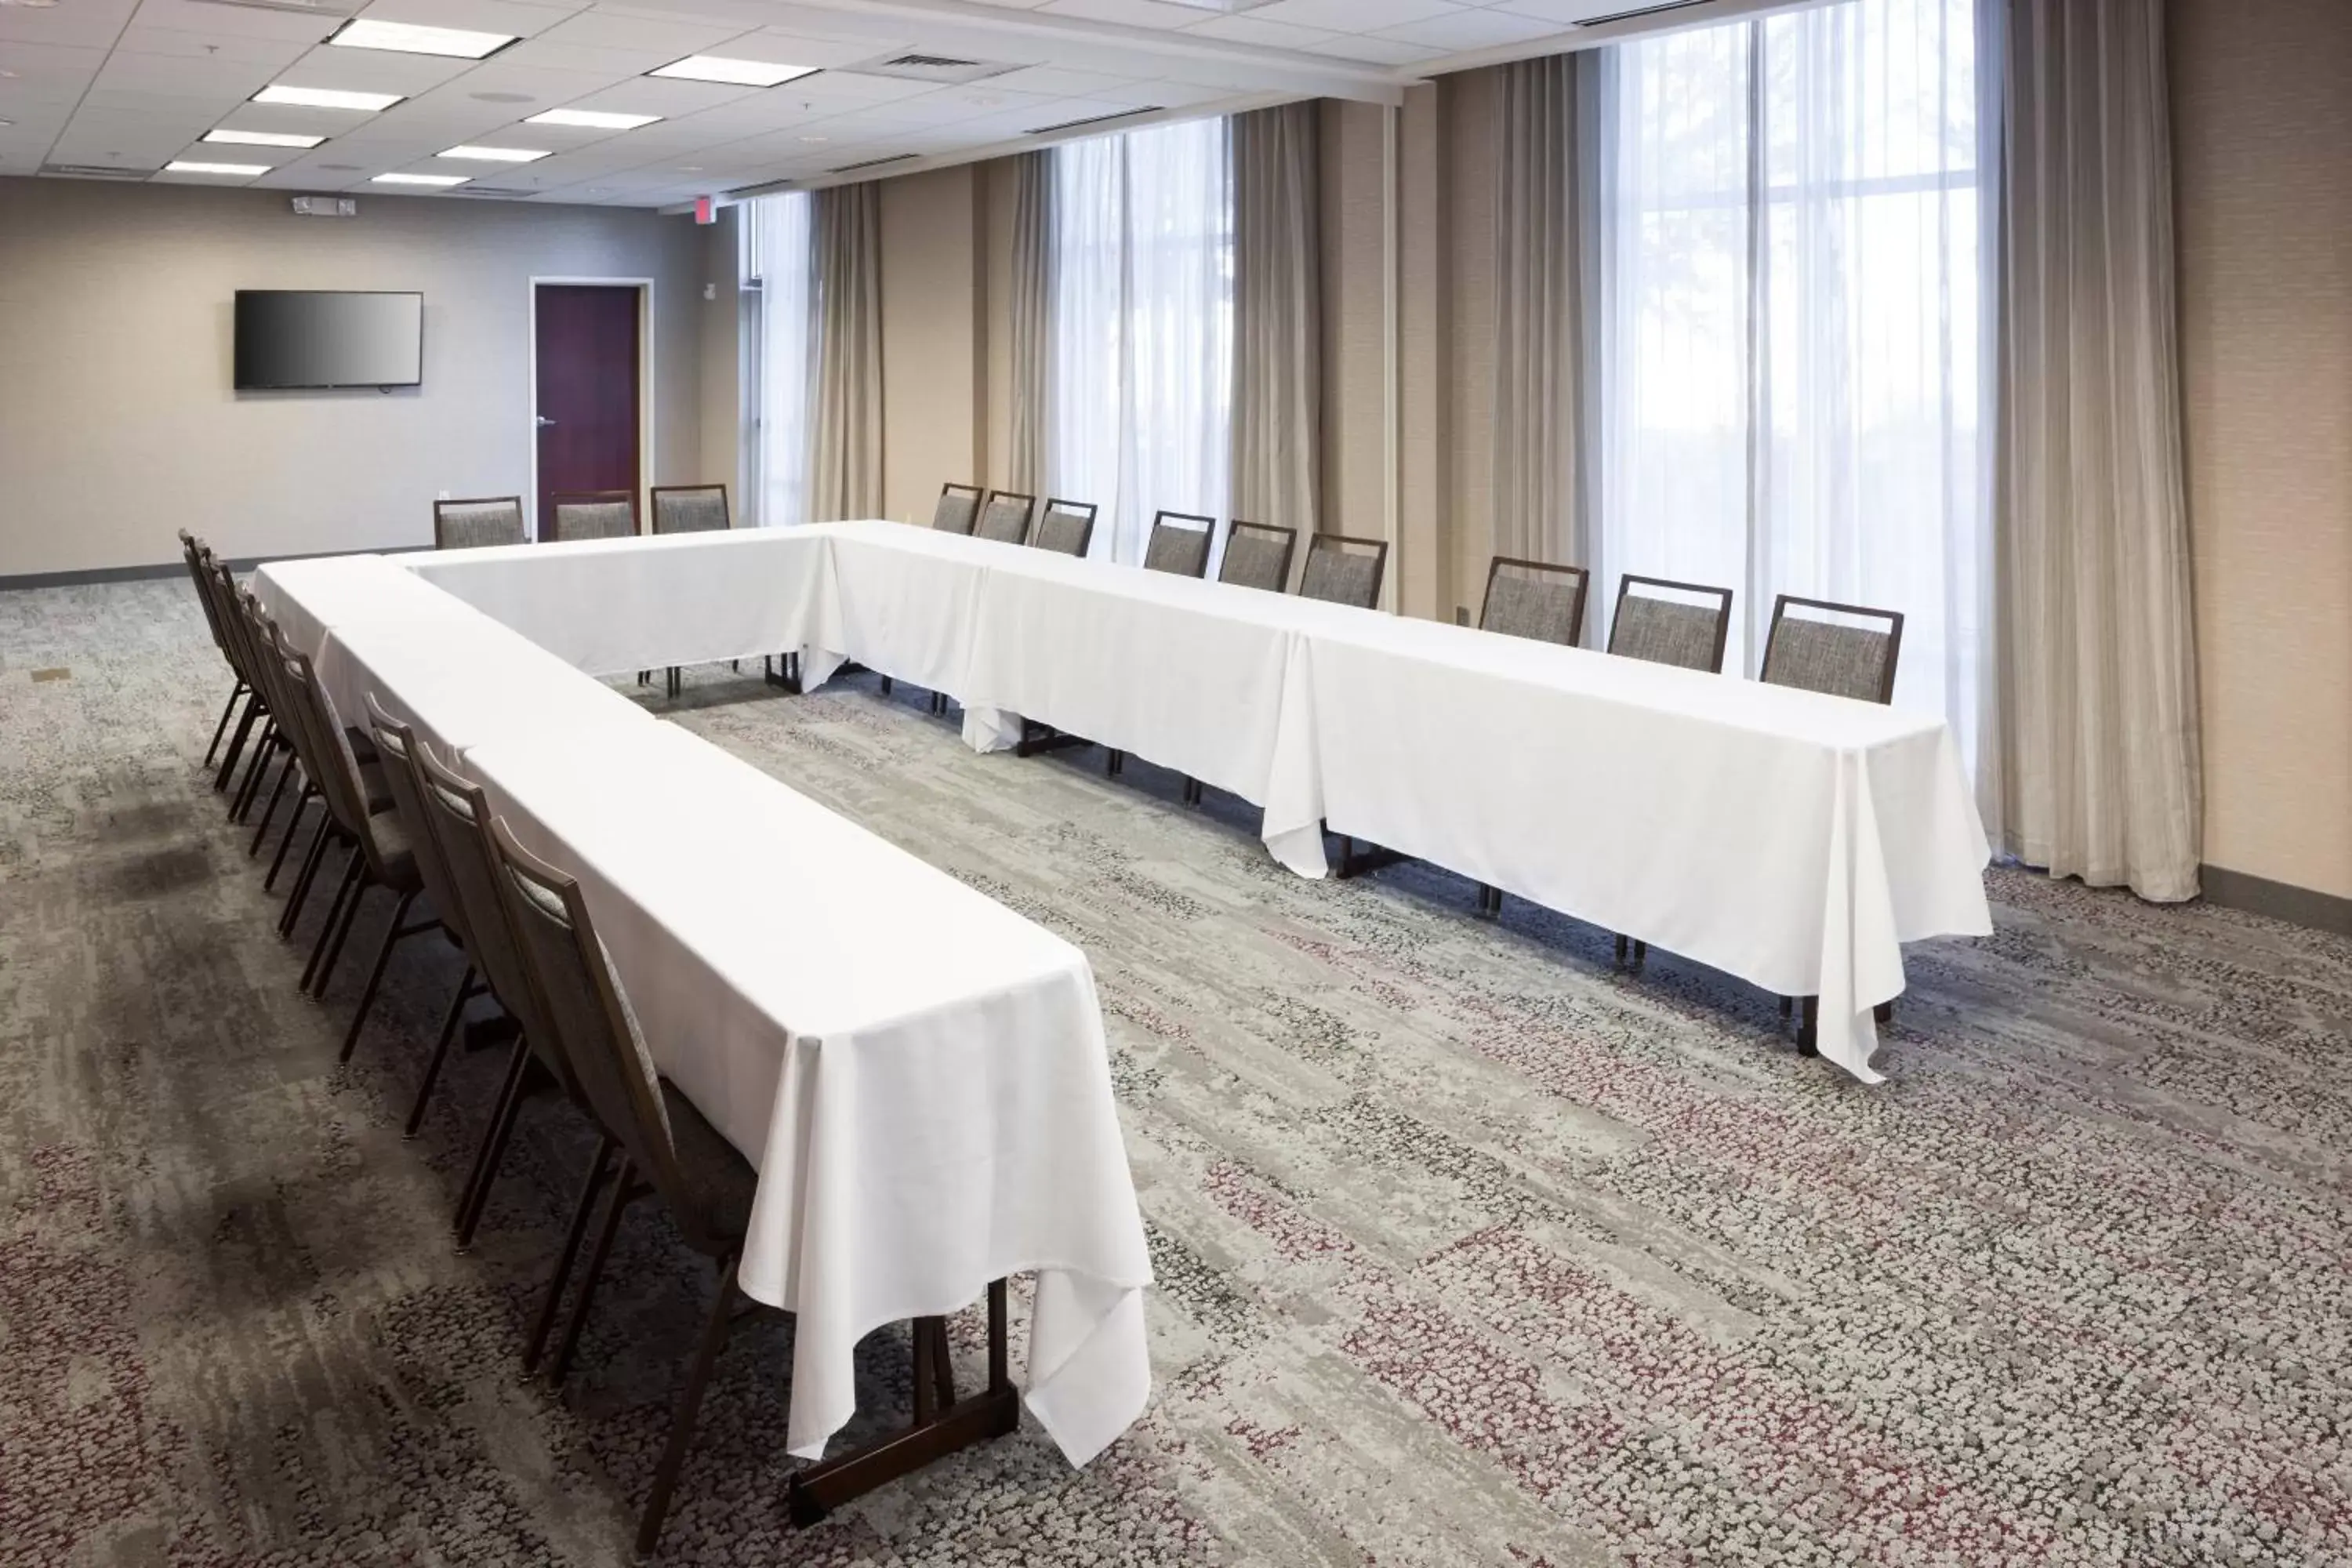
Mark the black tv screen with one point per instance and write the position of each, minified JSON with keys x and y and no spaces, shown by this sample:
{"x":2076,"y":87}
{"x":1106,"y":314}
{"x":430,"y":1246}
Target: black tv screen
{"x":296,"y":338}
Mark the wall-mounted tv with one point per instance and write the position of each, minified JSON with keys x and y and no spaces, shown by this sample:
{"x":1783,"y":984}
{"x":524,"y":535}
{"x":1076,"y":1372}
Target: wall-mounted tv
{"x":289,"y":338}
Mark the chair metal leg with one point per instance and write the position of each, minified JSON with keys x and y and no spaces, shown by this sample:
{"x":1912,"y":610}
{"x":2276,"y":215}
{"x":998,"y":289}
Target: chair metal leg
{"x":343,"y":926}
{"x":259,"y":763}
{"x":269,"y":813}
{"x":589,"y":1192}
{"x":391,"y":934}
{"x":293,"y":825}
{"x":1641,"y":955}
{"x":690,"y":1405}
{"x":320,"y":836}
{"x":493,"y":1146}
{"x":1809,"y":1028}
{"x":351,"y":872}
{"x":253,"y":711}
{"x":1788,"y":1005}
{"x":1114,"y":763}
{"x":221,"y":729}
{"x":885,"y":686}
{"x":671,"y":682}
{"x":1884,"y":1013}
{"x":466,"y":989}
{"x":569,"y":1345}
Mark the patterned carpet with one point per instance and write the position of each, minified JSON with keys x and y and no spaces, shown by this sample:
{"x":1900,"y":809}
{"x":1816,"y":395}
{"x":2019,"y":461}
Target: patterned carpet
{"x":1471,"y":1250}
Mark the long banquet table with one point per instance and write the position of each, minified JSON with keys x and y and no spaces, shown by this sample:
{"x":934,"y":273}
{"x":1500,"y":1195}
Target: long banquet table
{"x":918,"y":1074}
{"x":1792,"y":839}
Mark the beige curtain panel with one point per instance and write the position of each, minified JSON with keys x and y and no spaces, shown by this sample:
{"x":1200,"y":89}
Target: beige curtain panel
{"x":845,"y":420}
{"x":1548,"y":228}
{"x":2096,"y":770}
{"x":1033,"y":319}
{"x":1277,"y":319}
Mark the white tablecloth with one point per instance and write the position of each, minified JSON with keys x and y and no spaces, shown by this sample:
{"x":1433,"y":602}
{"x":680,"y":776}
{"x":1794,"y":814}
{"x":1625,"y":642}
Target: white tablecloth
{"x":918,"y":1074}
{"x":304,"y":597}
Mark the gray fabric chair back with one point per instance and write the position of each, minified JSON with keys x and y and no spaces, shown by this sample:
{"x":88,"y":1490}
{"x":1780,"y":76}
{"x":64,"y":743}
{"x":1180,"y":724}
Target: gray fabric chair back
{"x":396,"y":743}
{"x":1660,"y":630}
{"x":1005,"y":518}
{"x":217,"y":588}
{"x":609,"y":514}
{"x":1258,"y":556}
{"x":193,"y":552}
{"x":327,"y":754}
{"x":1815,"y":653}
{"x":1534,"y":599}
{"x":474,"y":524}
{"x":1179,"y":544}
{"x":582,"y":1002}
{"x":461,"y":819}
{"x":1066,"y":527}
{"x":958,"y":509}
{"x":691,"y":509}
{"x":1343,"y":570}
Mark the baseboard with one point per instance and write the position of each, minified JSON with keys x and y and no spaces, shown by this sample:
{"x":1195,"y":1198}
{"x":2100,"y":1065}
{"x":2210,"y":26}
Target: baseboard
{"x":173,"y":568}
{"x":2280,"y":901}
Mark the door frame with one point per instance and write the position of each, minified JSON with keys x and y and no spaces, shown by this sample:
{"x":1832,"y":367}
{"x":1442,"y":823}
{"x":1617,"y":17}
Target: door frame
{"x":647,"y":476}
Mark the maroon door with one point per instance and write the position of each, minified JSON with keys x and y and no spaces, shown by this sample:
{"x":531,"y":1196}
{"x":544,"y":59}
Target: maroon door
{"x":587,"y":360}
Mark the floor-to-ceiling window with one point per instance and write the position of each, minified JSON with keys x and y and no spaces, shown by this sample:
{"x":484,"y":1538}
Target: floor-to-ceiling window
{"x":778,"y":356}
{"x":1142,"y":358}
{"x":1792,"y":384}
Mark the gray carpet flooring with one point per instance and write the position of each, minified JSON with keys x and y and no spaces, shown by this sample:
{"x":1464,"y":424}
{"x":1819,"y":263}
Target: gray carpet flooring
{"x":1472,"y":1249}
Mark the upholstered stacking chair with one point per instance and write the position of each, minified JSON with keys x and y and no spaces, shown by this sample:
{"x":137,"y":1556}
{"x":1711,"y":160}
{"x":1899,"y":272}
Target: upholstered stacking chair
{"x":279,"y":741}
{"x":1258,"y":556}
{"x":1661,"y":621}
{"x":478,"y":523}
{"x":1179,"y":544}
{"x":1534,"y":599}
{"x":691,"y":509}
{"x":1005,"y":518}
{"x":1065,"y":527}
{"x":190,"y":548}
{"x":668,"y":1149}
{"x":593,"y":514}
{"x":1814,"y":652}
{"x":1343,"y":570}
{"x":958,"y":508}
{"x":220,"y":590}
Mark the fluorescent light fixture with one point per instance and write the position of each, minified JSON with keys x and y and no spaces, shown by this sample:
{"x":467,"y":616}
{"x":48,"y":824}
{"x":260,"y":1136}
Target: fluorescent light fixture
{"x":262,"y":138}
{"x":326,"y":98}
{"x":496,"y":155}
{"x":408,"y":39}
{"x":190,"y":166}
{"x":420,"y":179}
{"x":591,"y":119}
{"x":735,"y":72}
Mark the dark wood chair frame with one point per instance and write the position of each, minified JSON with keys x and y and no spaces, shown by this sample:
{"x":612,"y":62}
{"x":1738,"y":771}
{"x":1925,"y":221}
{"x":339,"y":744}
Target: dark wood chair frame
{"x":1722,"y":617}
{"x":1208,"y":528}
{"x":1289,"y":546}
{"x":636,"y":523}
{"x":979,"y":499}
{"x":1086,"y":539}
{"x":1893,"y":619}
{"x":1379,"y":547}
{"x":1029,"y":516}
{"x":440,"y":532}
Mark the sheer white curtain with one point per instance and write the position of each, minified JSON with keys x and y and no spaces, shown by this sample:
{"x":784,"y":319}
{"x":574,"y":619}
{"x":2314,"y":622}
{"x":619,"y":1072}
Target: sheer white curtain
{"x":1794,"y":319}
{"x":777,"y":251}
{"x":1142,"y":328}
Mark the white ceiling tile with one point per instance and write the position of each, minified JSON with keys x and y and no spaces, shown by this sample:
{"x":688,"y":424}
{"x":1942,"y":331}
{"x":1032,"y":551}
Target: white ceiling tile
{"x":273,"y":52}
{"x":1352,"y":15}
{"x":207,"y":77}
{"x":552,"y":55}
{"x":373,"y":70}
{"x":1376,"y":51}
{"x":1561,"y":11}
{"x":234,"y":21}
{"x":1252,"y":30}
{"x":28,"y":61}
{"x":663,"y":96}
{"x":605,"y":29}
{"x":93,"y":23}
{"x":802,"y":49}
{"x":1130,"y":13}
{"x":473,"y":16}
{"x":1472,"y":30}
{"x":1058,"y":83}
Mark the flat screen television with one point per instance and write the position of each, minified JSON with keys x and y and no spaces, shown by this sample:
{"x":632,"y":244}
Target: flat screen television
{"x":289,"y":338}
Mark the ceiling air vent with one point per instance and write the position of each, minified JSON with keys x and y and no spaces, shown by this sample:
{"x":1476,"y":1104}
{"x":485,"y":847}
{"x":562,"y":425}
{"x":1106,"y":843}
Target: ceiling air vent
{"x":872,"y":163}
{"x":1092,"y":119}
{"x":326,"y":10}
{"x":1638,"y":13}
{"x":95,"y":172}
{"x":489,"y":191}
{"x":945,"y":70}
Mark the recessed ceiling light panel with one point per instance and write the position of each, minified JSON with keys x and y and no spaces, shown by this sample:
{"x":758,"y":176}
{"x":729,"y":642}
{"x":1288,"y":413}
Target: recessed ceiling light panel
{"x":326,"y":98}
{"x":439,"y":180}
{"x":734,"y":72}
{"x":591,"y":119}
{"x":193,"y":166}
{"x":496,"y":155}
{"x":261,"y":138}
{"x":408,"y":39}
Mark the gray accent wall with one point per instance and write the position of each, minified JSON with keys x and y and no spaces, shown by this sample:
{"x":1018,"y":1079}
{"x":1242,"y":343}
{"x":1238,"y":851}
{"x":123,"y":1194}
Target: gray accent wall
{"x":118,"y":423}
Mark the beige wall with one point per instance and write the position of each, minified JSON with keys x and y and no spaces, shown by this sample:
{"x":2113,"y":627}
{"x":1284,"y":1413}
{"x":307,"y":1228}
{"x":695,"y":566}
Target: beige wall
{"x":933,"y":350}
{"x":117,"y":420}
{"x":2263,"y":139}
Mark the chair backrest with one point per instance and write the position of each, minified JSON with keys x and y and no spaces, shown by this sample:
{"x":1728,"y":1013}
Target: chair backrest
{"x":477,"y":523}
{"x":582,"y":1001}
{"x":1343,"y":570}
{"x":1258,"y":556}
{"x":1065,"y":527}
{"x":594,"y":514}
{"x":325,"y":754}
{"x":691,"y":509}
{"x":958,"y":509}
{"x":1815,"y":653}
{"x":460,"y":816}
{"x":1005,"y":518}
{"x":1654,"y":625}
{"x":1534,"y":599}
{"x":1179,"y":544}
{"x":192,"y":551}
{"x":247,"y":651}
{"x":396,"y":743}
